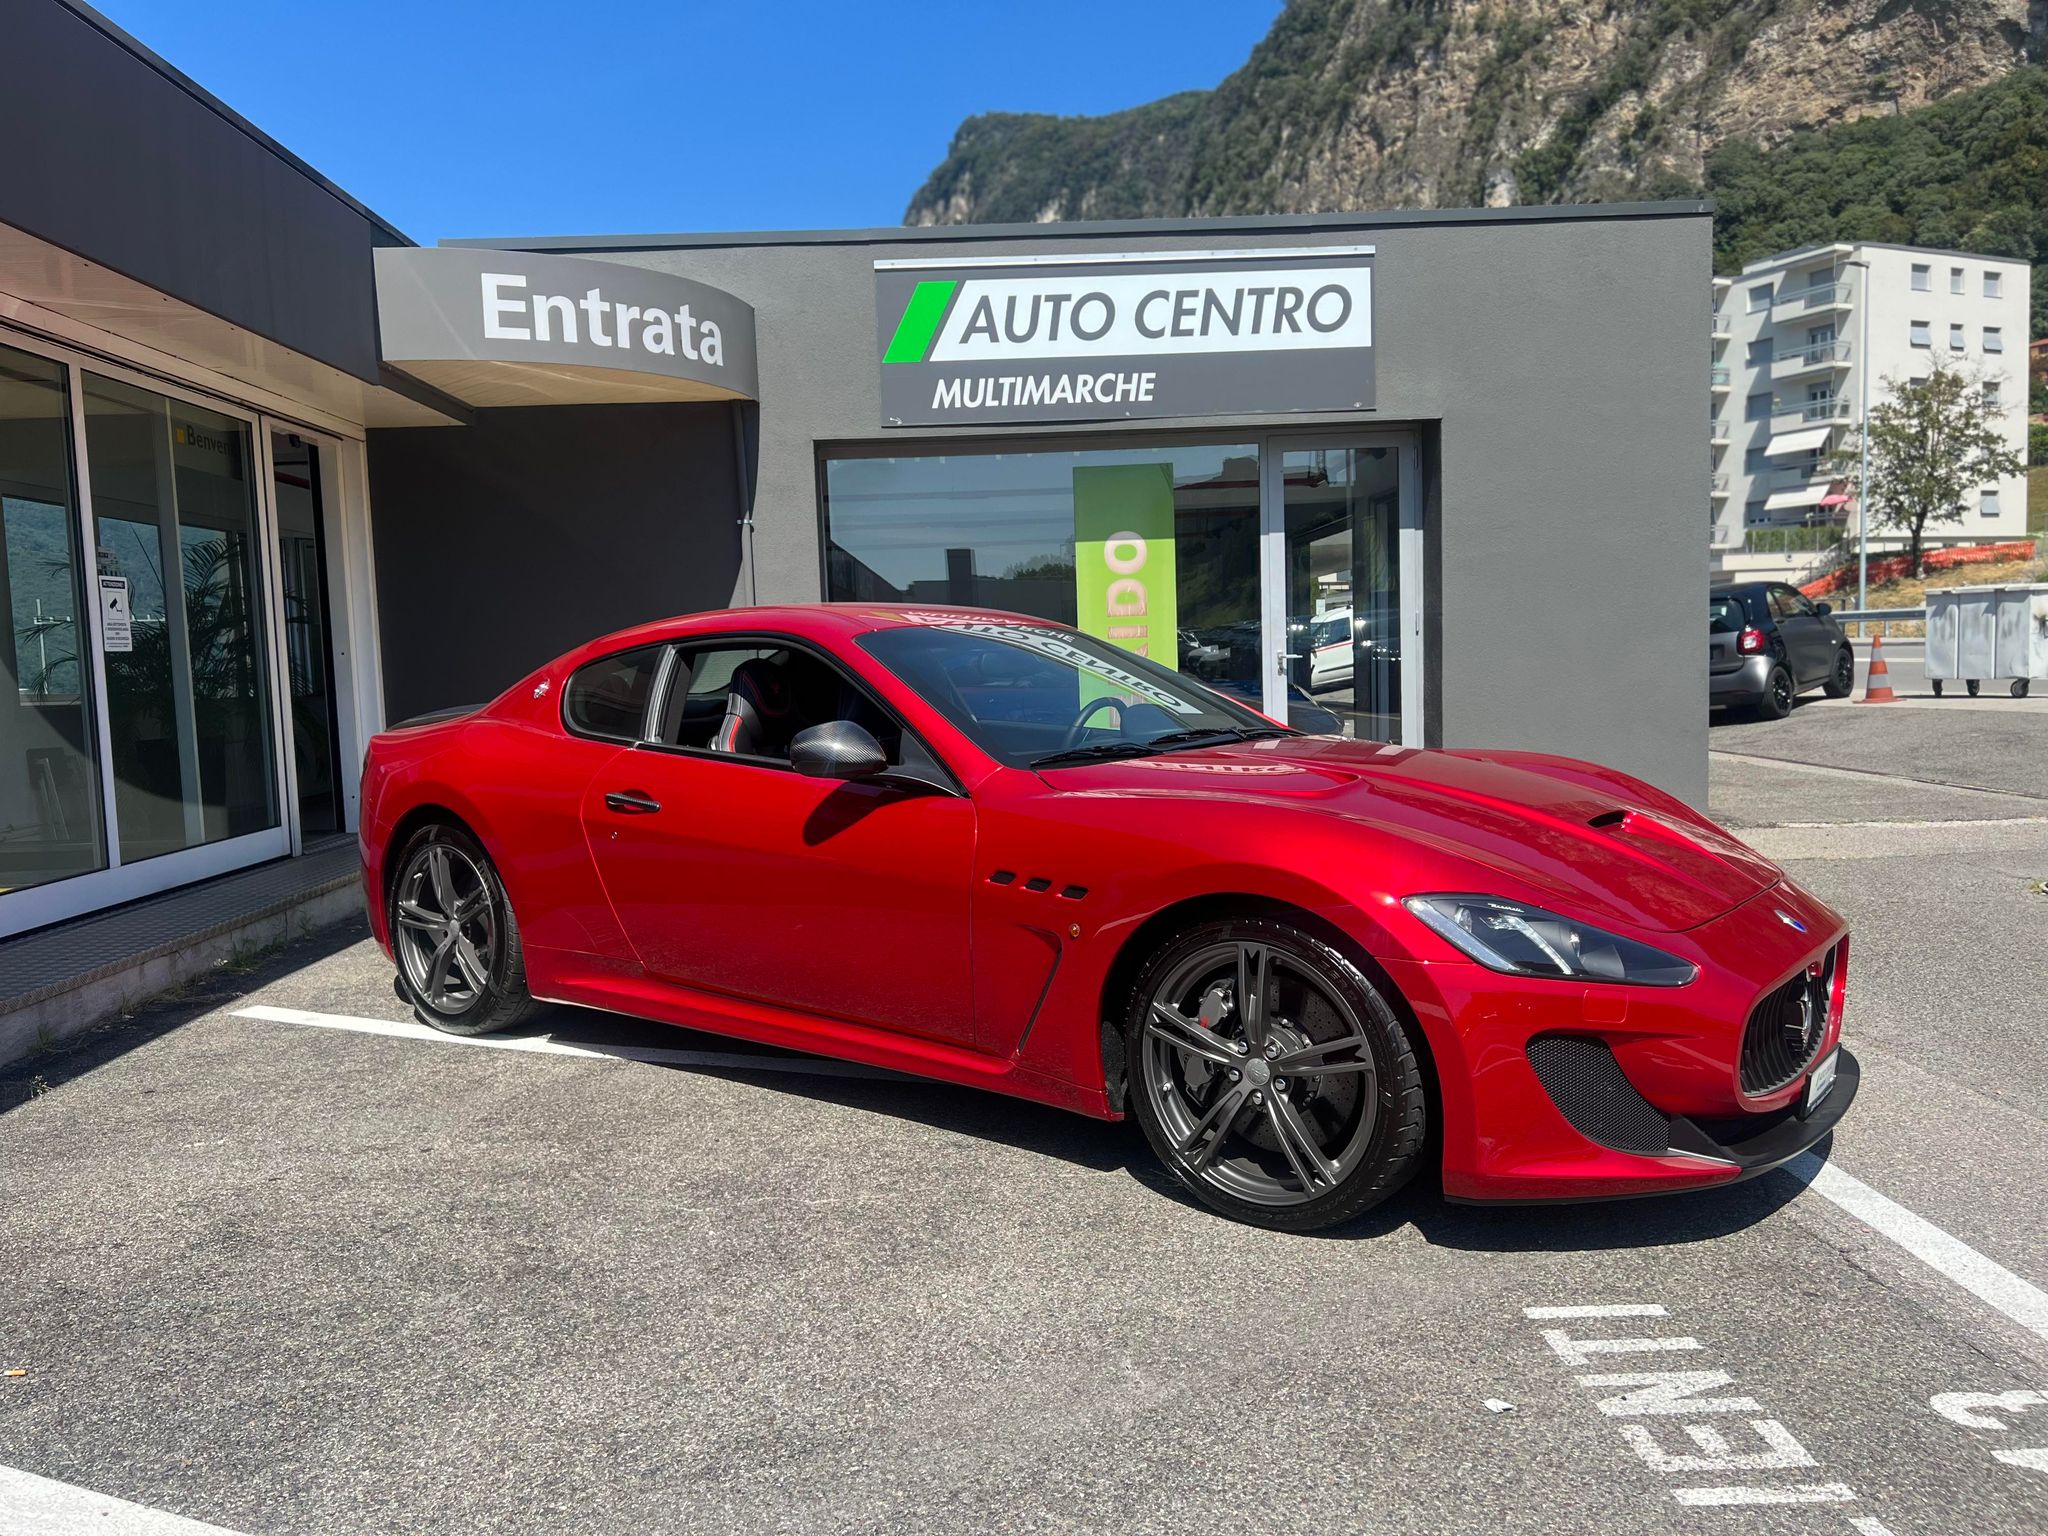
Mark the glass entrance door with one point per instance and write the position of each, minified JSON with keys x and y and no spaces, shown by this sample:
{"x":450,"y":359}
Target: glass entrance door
{"x":1340,"y":619}
{"x":297,"y":476}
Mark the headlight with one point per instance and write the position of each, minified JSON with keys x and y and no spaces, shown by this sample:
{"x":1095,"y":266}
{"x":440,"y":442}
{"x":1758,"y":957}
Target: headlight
{"x":1522,"y":940}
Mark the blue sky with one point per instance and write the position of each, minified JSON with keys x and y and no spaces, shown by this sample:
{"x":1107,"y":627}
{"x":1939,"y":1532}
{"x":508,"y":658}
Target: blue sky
{"x":452,"y":117}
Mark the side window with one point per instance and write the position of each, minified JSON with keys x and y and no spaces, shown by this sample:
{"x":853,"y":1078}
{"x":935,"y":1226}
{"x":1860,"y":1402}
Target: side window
{"x":608,"y":698}
{"x":1788,"y":604}
{"x":751,"y":701}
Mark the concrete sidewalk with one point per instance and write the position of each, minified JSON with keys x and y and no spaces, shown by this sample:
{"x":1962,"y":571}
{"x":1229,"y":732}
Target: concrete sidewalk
{"x":70,"y":976}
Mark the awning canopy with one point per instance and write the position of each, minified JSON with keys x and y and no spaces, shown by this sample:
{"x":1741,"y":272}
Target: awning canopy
{"x":1798,"y":496}
{"x":496,"y":327}
{"x":1805,"y":440}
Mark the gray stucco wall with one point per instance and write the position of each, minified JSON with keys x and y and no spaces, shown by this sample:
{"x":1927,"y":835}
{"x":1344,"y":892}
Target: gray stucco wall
{"x":1554,"y":363}
{"x":504,"y":543}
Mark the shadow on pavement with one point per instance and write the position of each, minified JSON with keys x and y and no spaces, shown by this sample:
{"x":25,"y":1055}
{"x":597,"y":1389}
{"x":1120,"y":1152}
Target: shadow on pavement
{"x":154,"y":1017}
{"x":1106,"y":1146}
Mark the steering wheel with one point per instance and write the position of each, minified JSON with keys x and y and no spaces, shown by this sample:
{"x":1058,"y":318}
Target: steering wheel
{"x":1140,"y":719}
{"x":1088,"y":712}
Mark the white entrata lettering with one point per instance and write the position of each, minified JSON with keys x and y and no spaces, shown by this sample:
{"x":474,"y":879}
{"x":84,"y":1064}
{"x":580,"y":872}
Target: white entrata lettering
{"x":513,"y":315}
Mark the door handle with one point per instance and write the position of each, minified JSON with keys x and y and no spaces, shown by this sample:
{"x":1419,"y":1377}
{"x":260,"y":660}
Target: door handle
{"x":631,"y":802}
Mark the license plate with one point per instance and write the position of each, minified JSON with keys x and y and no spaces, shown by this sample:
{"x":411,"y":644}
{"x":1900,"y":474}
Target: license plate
{"x":1817,"y":1086}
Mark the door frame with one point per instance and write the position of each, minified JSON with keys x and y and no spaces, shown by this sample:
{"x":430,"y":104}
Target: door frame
{"x":1273,"y":449}
{"x":351,"y":605}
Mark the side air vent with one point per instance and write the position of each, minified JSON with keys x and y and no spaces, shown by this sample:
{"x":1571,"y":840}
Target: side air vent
{"x":1038,"y":883}
{"x":1590,"y":1090}
{"x":1002,"y":877}
{"x":1074,"y":892}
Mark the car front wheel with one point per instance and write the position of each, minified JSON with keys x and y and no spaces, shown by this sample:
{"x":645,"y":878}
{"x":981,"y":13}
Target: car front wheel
{"x":454,"y":936}
{"x":1272,"y":1077}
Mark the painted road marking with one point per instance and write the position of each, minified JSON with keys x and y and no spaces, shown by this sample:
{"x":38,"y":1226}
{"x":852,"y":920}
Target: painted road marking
{"x":2025,"y":1303}
{"x":547,"y":1045}
{"x":48,"y":1508}
{"x":1660,"y":1396}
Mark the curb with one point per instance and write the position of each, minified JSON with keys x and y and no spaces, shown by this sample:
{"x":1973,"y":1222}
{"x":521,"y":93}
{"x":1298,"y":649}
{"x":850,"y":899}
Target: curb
{"x":52,"y":1013}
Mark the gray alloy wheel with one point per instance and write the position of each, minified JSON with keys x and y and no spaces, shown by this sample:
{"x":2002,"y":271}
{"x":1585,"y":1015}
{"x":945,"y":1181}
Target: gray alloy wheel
{"x":452,"y":931}
{"x":1842,"y":680}
{"x":1271,"y":1076}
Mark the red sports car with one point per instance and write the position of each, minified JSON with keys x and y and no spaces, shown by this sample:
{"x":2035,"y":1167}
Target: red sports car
{"x":997,"y":851}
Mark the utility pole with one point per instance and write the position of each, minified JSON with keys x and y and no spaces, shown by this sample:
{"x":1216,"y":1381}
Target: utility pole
{"x":1863,"y":435}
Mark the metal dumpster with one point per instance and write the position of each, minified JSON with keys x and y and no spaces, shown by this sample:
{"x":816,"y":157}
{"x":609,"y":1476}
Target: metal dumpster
{"x":1978,"y":633}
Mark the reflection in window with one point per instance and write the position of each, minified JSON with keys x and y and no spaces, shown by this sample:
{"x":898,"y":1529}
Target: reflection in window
{"x":50,"y":808}
{"x":1051,"y":535}
{"x":187,"y":701}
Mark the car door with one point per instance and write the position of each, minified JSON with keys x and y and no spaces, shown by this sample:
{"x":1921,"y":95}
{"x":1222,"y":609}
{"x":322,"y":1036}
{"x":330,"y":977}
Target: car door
{"x":732,"y":873}
{"x":1807,"y":642}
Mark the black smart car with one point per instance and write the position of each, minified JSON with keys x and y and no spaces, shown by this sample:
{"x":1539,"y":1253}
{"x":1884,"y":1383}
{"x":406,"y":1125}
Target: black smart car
{"x":1767,"y":643}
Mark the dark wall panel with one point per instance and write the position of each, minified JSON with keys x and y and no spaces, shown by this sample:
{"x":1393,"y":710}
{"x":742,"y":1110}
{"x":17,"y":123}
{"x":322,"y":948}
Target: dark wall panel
{"x":502,"y":544}
{"x":116,"y":162}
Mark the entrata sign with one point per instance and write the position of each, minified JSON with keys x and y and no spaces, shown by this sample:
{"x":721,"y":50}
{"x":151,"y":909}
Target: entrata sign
{"x":1163,"y":333}
{"x":442,"y":312}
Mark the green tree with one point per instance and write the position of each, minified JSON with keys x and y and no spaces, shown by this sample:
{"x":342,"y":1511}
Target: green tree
{"x":1933,"y":444}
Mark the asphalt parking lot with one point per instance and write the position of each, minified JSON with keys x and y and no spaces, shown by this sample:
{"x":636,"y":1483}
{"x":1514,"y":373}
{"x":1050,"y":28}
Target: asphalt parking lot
{"x":276,"y":1261}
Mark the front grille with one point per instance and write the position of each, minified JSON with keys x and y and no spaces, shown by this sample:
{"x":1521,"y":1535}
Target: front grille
{"x":1591,"y":1091}
{"x":1786,"y":1029}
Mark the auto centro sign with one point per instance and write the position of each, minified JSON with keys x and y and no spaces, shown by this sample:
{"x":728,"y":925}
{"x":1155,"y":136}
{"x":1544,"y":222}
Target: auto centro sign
{"x":1110,"y":336}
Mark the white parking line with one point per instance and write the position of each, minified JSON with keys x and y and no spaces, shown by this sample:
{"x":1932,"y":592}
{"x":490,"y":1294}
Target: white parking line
{"x":547,"y":1045}
{"x":39,"y":1505}
{"x":2020,"y":1300}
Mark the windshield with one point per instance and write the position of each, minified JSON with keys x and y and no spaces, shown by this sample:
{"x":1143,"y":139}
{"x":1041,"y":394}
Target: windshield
{"x":1033,"y":696}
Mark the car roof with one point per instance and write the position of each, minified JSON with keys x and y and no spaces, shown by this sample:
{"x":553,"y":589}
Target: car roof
{"x":808,"y":621}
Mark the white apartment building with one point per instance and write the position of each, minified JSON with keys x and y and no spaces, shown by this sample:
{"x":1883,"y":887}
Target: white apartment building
{"x":1794,"y":339}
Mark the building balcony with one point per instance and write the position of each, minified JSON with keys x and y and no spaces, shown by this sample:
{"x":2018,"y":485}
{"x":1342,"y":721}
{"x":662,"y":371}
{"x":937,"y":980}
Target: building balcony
{"x":1827,"y":298}
{"x":1719,"y":378}
{"x":1721,"y":432}
{"x":1720,"y":327}
{"x":1717,"y":486}
{"x":1815,"y":358}
{"x":1801,"y":476}
{"x":1814,"y":413}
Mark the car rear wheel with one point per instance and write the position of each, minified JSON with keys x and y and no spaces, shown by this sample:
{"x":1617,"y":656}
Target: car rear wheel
{"x":1271,"y":1076}
{"x":454,"y":936}
{"x":1775,"y":702}
{"x":1842,"y":681}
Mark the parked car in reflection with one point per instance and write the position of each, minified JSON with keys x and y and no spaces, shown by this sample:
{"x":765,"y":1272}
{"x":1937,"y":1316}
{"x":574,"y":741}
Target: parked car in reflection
{"x":1767,"y":643}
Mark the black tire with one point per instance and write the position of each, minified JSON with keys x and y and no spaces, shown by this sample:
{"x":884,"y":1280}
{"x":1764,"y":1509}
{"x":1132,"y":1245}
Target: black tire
{"x":1973,"y":685}
{"x":437,"y":974}
{"x":2020,"y":687}
{"x":1842,"y":680}
{"x":1937,"y":687}
{"x":1775,"y":702}
{"x":1345,"y":1133}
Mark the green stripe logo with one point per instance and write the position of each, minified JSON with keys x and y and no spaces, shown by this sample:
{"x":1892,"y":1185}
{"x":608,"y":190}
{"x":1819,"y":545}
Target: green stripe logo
{"x":920,"y":322}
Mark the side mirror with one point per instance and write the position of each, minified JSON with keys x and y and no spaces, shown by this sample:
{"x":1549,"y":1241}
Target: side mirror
{"x":1823,"y":609}
{"x":838,"y":749}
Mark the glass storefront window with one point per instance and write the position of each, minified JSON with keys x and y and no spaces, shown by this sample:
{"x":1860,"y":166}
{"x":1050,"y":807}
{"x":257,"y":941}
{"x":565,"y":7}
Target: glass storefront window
{"x":1154,"y":548}
{"x":1344,"y":642}
{"x":50,"y":805}
{"x":188,"y":699}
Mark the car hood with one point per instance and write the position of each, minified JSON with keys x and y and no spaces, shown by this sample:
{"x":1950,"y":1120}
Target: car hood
{"x":1560,"y":834}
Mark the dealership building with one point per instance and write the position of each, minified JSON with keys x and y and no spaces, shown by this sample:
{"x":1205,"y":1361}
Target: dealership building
{"x":273,"y":476}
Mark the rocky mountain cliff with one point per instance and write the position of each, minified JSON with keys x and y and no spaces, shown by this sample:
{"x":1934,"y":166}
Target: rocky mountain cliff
{"x":1444,"y":103}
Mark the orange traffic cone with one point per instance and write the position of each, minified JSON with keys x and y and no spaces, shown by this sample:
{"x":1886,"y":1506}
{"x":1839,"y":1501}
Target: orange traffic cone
{"x":1877,"y":688}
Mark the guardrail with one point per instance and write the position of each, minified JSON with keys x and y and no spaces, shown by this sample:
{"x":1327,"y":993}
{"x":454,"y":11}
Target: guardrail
{"x":1881,"y":617}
